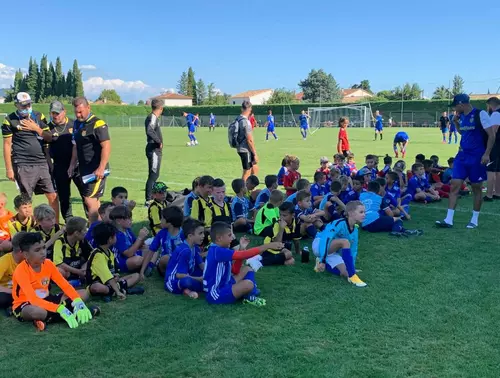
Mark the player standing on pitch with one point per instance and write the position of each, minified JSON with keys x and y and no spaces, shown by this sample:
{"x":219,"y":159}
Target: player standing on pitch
{"x":379,"y":125}
{"x":304,"y":124}
{"x":191,"y":128}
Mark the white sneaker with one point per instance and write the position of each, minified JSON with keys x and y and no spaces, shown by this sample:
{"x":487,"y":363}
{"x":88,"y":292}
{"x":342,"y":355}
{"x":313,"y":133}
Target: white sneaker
{"x":255,"y":263}
{"x":196,"y":142}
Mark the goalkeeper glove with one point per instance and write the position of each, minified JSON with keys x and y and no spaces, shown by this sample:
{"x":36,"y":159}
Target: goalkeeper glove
{"x":81,"y":311}
{"x":67,"y":316}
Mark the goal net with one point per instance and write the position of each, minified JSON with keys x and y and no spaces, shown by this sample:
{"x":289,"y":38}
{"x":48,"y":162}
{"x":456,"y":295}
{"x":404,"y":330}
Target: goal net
{"x":359,"y":116}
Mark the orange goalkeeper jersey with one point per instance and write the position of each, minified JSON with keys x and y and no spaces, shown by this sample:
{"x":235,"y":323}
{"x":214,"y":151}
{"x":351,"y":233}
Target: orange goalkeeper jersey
{"x":33,"y":287}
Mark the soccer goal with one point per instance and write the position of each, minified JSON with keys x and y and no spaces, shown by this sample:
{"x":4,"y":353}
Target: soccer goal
{"x":359,"y":116}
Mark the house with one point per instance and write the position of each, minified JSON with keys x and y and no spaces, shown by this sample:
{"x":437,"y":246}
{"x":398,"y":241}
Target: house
{"x":354,"y":95}
{"x":2,"y":100}
{"x":299,"y":97}
{"x":174,"y":99}
{"x":256,"y":97}
{"x":483,"y":96}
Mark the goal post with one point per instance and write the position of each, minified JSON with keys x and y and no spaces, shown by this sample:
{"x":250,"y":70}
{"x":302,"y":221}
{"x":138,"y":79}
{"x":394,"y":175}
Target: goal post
{"x":359,"y":116}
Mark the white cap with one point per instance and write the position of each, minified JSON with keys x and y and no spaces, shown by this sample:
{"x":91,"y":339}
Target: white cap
{"x":23,"y":98}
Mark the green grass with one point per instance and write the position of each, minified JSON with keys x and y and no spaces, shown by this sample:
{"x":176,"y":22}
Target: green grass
{"x":431,"y":307}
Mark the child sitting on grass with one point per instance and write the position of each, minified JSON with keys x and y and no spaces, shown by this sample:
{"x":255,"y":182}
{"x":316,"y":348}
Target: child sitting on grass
{"x":351,"y":163}
{"x":334,"y":175}
{"x":169,"y":237}
{"x":45,"y":218}
{"x":269,"y":214}
{"x":285,"y":231}
{"x":128,"y":248}
{"x":32,"y":300}
{"x":220,"y":286}
{"x":5,"y":216}
{"x":374,"y":222}
{"x":159,"y":193}
{"x":332,"y":205}
{"x":399,"y":206}
{"x":370,"y":164}
{"x":188,"y":201}
{"x":184,"y":273}
{"x":251,"y":183}
{"x":342,"y":166}
{"x":8,"y":264}
{"x":119,"y":197}
{"x":23,"y":220}
{"x":221,"y":206}
{"x":318,"y":190}
{"x":285,"y":164}
{"x":202,"y":205}
{"x":271,"y":182}
{"x":103,"y":211}
{"x":302,"y":184}
{"x":293,"y":175}
{"x":308,"y":219}
{"x":419,"y":187}
{"x":324,"y":165}
{"x":101,"y":275}
{"x":71,"y":251}
{"x":241,"y":209}
{"x":336,"y":247}
{"x":387,"y":166}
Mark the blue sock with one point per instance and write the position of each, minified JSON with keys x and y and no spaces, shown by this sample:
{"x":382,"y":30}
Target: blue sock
{"x":311,"y":231}
{"x":348,"y":261}
{"x":194,"y":138}
{"x":191,"y":284}
{"x":429,"y":199}
{"x":333,"y":270}
{"x":190,"y":137}
{"x":151,"y":264}
{"x":267,"y":136}
{"x":398,"y":226}
{"x":275,"y":137}
{"x":305,"y":133}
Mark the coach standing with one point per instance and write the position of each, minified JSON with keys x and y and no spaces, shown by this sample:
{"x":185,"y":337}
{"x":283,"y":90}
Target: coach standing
{"x":91,"y":150}
{"x":25,"y":162}
{"x":493,"y":166}
{"x":61,"y":149}
{"x":154,"y":145}
{"x":246,"y":147}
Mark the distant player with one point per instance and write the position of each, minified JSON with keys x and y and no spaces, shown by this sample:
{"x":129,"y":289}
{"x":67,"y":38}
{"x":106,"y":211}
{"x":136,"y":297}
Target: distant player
{"x":379,"y":125}
{"x":304,"y":124}
{"x":453,"y":128}
{"x":211,"y":126}
{"x":196,"y":121}
{"x":401,"y":139}
{"x":191,"y":128}
{"x":343,"y":146}
{"x":444,"y":122}
{"x":270,"y":126}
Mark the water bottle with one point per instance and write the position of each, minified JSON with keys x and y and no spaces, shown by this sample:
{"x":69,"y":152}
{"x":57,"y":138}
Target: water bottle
{"x":305,"y":255}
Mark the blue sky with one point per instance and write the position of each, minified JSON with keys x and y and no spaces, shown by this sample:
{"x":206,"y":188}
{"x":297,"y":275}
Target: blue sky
{"x":142,"y":49}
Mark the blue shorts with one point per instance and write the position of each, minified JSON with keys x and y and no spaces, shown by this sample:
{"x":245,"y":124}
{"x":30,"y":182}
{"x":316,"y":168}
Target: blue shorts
{"x":379,"y":129}
{"x":173,"y":286}
{"x":270,"y":129}
{"x":192,"y":129}
{"x":474,"y":170}
{"x":400,"y":140}
{"x":224,"y":295}
{"x":122,"y":262}
{"x":304,"y":127}
{"x":453,"y":129}
{"x":444,"y":131}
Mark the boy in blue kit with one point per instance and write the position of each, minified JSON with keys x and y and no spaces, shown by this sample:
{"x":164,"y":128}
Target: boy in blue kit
{"x":191,"y":128}
{"x":419,"y":187}
{"x":399,"y":206}
{"x":184,"y":274}
{"x":220,"y":286}
{"x":302,"y":184}
{"x":128,"y":248}
{"x":401,"y":139}
{"x":448,"y":173}
{"x":251,"y":183}
{"x":336,"y":247}
{"x":211,"y":126}
{"x":304,"y":124}
{"x":169,"y":237}
{"x":196,"y":121}
{"x":308,"y":219}
{"x":387,"y":166}
{"x":270,"y":126}
{"x":342,"y":166}
{"x":374,"y":222}
{"x":331,"y":205}
{"x":453,"y":128}
{"x":371,"y":162}
{"x":241,"y":209}
{"x":188,"y":201}
{"x":271,"y":182}
{"x":318,"y":189}
{"x":379,"y":125}
{"x":103,"y":212}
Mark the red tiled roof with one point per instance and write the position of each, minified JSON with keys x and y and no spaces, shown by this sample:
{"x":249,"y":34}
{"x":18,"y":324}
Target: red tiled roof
{"x":299,"y":96}
{"x":347,"y":92}
{"x":251,"y":93}
{"x":482,"y":96}
{"x":173,"y":96}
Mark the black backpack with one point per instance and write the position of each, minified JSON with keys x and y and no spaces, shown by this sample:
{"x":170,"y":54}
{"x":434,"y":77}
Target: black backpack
{"x":234,"y":134}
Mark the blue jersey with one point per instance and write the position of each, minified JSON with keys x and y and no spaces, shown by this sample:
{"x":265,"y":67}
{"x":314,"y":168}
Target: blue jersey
{"x":338,"y":229}
{"x":124,"y":240}
{"x":217,"y":273}
{"x":212,"y":119}
{"x":416,"y":183}
{"x":401,"y":137}
{"x":292,"y":198}
{"x":166,"y":242}
{"x":189,"y":119}
{"x":188,"y":203}
{"x":281,"y":175}
{"x":379,"y":124}
{"x":393,"y":194}
{"x":473,"y":141}
{"x":372,"y":203}
{"x":240,"y":208}
{"x":373,"y":172}
{"x":345,"y":170}
{"x":347,"y":196}
{"x":317,"y":190}
{"x":183,"y":260}
{"x":303,"y":121}
{"x":196,"y":121}
{"x":453,"y":128}
{"x":262,"y":198}
{"x":299,"y":212}
{"x":325,"y":199}
{"x":89,"y":237}
{"x":270,"y":120}
{"x":447,"y":175}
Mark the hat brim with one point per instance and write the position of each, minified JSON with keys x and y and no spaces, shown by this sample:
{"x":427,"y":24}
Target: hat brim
{"x":24,"y":103}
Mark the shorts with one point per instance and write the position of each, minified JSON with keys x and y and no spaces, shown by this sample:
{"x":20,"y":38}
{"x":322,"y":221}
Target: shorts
{"x":304,"y":127}
{"x":270,"y":129}
{"x":453,"y":129}
{"x":400,"y":140}
{"x":379,"y":129}
{"x":269,"y":258}
{"x":173,"y":286}
{"x":494,"y":165}
{"x":33,"y":179}
{"x":224,"y":295}
{"x":191,"y":129}
{"x":122,"y":262}
{"x":444,"y":131}
{"x":56,"y":299}
{"x":332,"y":259}
{"x":246,"y":160}
{"x":94,"y":189}
{"x":475,"y":171}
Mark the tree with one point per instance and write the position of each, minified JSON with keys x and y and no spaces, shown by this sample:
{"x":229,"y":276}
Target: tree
{"x":77,"y":80}
{"x":365,"y":85}
{"x":211,"y":93}
{"x":182,"y":84}
{"x":387,"y":94}
{"x":191,"y":85}
{"x":110,"y":95}
{"x":407,"y":92}
{"x":140,"y":103}
{"x":201,"y":92}
{"x":458,"y":85}
{"x":60,"y":89}
{"x":42,"y":78}
{"x":49,"y":82}
{"x":32,"y":79}
{"x":320,"y":87}
{"x":441,"y":93}
{"x":69,"y":84}
{"x":281,"y":96}
{"x":18,"y":81}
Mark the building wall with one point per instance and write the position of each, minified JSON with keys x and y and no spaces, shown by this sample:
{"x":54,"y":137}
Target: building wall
{"x":178,"y":102}
{"x":259,"y":99}
{"x":237,"y":101}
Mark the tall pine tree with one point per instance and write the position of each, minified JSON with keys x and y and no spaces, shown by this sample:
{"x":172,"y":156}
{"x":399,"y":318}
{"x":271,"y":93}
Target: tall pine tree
{"x":18,"y":81}
{"x":191,"y":85}
{"x":42,"y":78}
{"x":69,"y":84}
{"x":77,"y":80}
{"x":51,"y":82}
{"x":32,"y":79}
{"x":182,"y":84}
{"x":60,"y":90}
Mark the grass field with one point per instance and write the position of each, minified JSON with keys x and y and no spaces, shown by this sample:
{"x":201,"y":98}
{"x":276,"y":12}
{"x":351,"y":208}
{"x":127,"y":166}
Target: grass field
{"x":430,"y":309}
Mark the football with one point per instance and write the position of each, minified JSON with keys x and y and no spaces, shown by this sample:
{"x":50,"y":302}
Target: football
{"x":188,"y":144}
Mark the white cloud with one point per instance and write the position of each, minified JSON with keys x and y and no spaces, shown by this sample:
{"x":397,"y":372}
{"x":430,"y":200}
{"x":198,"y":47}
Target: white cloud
{"x":88,"y":67}
{"x":168,"y":90}
{"x":129,"y":91}
{"x":7,"y":74}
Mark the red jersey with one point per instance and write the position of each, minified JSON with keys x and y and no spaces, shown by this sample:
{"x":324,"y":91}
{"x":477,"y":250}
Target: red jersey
{"x":253,"y":122}
{"x":344,"y":140}
{"x":4,"y":225}
{"x":289,"y":181}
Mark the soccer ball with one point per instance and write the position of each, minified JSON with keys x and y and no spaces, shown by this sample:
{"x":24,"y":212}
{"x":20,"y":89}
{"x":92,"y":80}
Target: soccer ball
{"x":188,"y":144}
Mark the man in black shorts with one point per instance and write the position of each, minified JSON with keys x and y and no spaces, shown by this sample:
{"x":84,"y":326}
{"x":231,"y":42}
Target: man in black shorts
{"x":154,"y":145}
{"x":91,"y":150}
{"x":24,"y":132}
{"x":61,"y":149}
{"x":246,"y":148}
{"x":493,"y":165}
